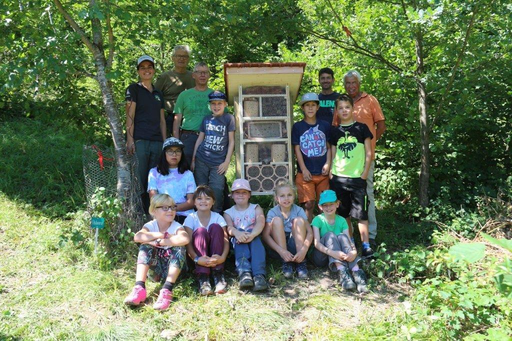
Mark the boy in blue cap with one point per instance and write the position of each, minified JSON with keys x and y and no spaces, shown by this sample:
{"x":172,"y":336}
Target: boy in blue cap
{"x":333,"y":245}
{"x":214,"y":147}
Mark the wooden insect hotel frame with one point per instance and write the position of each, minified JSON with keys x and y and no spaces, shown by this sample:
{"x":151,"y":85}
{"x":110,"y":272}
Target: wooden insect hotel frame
{"x":263,"y":95}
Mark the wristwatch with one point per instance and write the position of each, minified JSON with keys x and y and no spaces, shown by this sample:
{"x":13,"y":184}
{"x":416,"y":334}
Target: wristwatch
{"x":196,"y":259}
{"x":158,"y":241}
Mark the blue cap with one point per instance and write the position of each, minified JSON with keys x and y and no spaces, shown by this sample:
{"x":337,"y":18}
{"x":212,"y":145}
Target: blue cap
{"x":172,"y":142}
{"x":217,"y":96}
{"x":327,"y":196}
{"x":309,"y":97}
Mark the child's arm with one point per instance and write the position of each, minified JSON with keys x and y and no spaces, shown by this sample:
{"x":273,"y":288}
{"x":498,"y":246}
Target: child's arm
{"x":181,"y":238}
{"x":327,"y":167}
{"x":146,"y":237}
{"x":368,"y":157}
{"x":233,"y":231}
{"x":223,"y":167}
{"x":258,"y":225}
{"x":187,"y":205}
{"x":306,"y":174}
{"x":200,"y":139}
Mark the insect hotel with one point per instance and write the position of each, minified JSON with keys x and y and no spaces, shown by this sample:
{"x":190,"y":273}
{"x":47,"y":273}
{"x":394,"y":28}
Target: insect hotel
{"x":263,"y":95}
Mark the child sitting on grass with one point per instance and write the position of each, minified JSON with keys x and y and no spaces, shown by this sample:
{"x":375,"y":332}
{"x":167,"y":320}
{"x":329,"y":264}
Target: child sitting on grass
{"x":287,"y":232}
{"x":209,"y":244}
{"x":245,"y":223}
{"x":162,"y":249}
{"x":333,"y":245}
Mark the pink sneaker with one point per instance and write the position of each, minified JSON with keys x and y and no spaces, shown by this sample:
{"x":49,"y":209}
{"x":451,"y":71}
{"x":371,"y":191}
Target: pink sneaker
{"x":164,"y":299}
{"x":137,"y":296}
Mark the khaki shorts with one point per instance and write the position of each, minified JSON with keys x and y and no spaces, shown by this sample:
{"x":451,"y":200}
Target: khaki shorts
{"x":310,"y":190}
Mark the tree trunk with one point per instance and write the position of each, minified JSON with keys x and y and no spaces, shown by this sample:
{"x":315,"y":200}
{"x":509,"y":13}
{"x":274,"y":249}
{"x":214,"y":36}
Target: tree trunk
{"x":114,"y":121}
{"x":424,"y":126}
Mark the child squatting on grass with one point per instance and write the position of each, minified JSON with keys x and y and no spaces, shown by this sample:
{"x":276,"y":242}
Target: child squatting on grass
{"x":209,"y":244}
{"x":352,"y":156}
{"x":162,"y":249}
{"x":287,"y":232}
{"x":333,"y":245}
{"x":245,"y":224}
{"x":313,"y":153}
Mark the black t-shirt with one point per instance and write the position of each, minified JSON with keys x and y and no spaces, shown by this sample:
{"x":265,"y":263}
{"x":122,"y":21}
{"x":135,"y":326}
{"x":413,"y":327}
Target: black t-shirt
{"x":147,"y":112}
{"x":327,"y":104}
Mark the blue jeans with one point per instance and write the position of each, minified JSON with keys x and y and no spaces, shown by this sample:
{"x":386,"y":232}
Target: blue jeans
{"x":207,"y":175}
{"x":250,"y":257}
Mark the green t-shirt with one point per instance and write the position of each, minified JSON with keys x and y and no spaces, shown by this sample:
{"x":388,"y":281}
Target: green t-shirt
{"x":194,"y":106}
{"x":350,"y":150}
{"x":172,"y":84}
{"x":320,"y":222}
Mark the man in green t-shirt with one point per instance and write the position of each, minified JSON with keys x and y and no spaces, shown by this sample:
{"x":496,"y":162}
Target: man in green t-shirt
{"x":175,"y":81}
{"x":190,"y":109}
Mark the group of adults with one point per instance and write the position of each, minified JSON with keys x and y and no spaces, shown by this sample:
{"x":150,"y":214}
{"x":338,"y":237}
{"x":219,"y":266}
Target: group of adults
{"x":178,"y":101}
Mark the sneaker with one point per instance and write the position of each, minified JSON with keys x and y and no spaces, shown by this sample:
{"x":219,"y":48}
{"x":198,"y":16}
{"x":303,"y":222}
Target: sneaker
{"x":246,"y":281}
{"x":220,"y":282}
{"x":205,"y":288}
{"x":287,"y":270}
{"x":302,"y":270}
{"x":136,"y":297}
{"x":360,"y":279}
{"x":367,"y":253}
{"x":346,"y":281}
{"x":164,"y":299}
{"x":260,"y":283}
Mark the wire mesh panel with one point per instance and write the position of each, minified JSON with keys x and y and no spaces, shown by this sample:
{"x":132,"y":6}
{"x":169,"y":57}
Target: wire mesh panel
{"x":100,"y":170}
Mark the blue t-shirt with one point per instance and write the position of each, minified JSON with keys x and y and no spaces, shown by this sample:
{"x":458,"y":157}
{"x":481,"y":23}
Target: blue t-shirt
{"x":295,"y":212}
{"x":214,"y":147}
{"x":312,"y":140}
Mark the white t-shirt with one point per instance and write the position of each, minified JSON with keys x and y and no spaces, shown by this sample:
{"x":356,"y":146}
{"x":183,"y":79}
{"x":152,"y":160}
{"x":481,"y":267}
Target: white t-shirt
{"x":193,"y":222}
{"x":152,"y":226}
{"x":243,"y":220}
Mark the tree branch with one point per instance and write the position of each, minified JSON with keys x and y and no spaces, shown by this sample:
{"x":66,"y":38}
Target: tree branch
{"x":97,"y":36}
{"x":455,"y":67}
{"x":76,"y":27}
{"x":110,"y":38}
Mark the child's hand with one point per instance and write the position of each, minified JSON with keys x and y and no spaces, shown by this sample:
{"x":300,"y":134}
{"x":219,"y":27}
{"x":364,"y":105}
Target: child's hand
{"x":326,"y":169}
{"x":216,"y":260}
{"x":286,"y":255}
{"x":350,"y":256}
{"x":338,"y":255}
{"x":330,"y":174}
{"x":306,"y":174}
{"x":364,"y":176}
{"x":240,"y":236}
{"x":223,"y":167}
{"x":299,"y":256}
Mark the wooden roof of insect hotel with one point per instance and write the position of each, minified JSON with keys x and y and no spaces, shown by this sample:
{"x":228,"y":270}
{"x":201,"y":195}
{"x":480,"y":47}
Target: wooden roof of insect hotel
{"x":263,"y":74}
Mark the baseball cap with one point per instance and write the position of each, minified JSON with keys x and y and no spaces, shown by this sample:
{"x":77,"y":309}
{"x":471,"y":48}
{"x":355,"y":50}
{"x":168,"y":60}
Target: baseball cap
{"x":144,"y":58}
{"x":309,"y":97}
{"x":172,"y":142}
{"x":217,"y":96}
{"x":327,"y":196}
{"x":240,"y":184}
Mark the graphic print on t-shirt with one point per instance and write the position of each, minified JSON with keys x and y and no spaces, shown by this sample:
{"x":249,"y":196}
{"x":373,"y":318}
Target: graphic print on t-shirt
{"x":347,"y":144}
{"x":313,"y":142}
{"x":214,"y":142}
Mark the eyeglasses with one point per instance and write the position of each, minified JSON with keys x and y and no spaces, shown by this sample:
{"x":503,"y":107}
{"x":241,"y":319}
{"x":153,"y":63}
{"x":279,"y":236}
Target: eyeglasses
{"x":167,"y":208}
{"x":181,"y":56}
{"x":202,"y":73}
{"x":174,"y":152}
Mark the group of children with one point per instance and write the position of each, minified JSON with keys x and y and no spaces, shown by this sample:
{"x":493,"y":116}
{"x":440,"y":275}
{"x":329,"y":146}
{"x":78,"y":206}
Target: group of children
{"x":335,"y":157}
